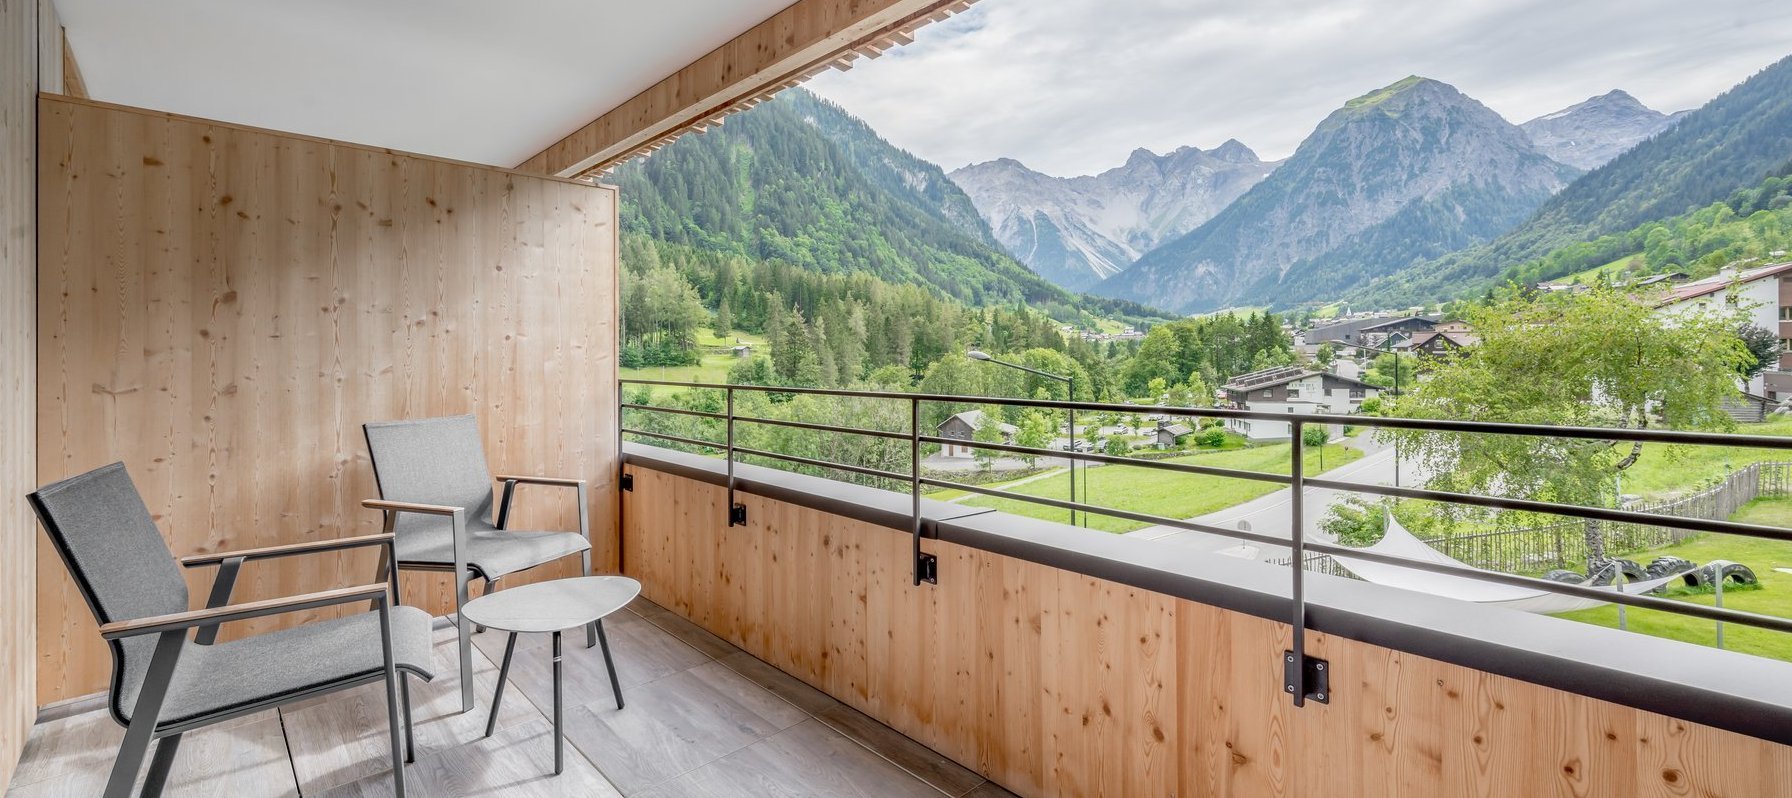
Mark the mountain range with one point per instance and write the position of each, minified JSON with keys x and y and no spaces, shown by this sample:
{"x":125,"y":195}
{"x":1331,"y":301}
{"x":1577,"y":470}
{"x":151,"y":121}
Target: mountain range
{"x":800,"y":182}
{"x":1410,"y":171}
{"x":1408,"y":194}
{"x":1730,"y":143}
{"x":1079,"y":231}
{"x":1399,"y":176}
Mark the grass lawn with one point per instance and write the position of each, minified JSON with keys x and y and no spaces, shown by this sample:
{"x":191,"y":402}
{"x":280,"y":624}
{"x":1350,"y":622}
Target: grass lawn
{"x":1164,"y":493}
{"x":714,"y":367}
{"x":1774,"y":597}
{"x":948,"y":494}
{"x":1669,"y":470}
{"x":1608,"y":269}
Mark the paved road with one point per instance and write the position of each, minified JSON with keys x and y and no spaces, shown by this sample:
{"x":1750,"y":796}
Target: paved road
{"x":1269,"y":514}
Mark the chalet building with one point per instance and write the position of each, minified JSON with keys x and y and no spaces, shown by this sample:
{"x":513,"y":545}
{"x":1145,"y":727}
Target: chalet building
{"x":964,"y":426}
{"x":1368,"y":332}
{"x":1438,"y":342}
{"x":1169,"y":435}
{"x":1291,"y":389}
{"x":1766,"y":293}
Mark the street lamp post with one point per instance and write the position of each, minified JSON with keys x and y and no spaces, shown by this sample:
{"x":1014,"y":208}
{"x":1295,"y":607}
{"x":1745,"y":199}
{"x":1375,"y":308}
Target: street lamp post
{"x":1070,"y":386}
{"x":1396,"y":354}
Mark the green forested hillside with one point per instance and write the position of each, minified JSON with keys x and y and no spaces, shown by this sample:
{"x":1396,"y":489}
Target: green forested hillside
{"x":1732,"y":142}
{"x":774,"y":185}
{"x":821,"y":329}
{"x":1751,"y":224}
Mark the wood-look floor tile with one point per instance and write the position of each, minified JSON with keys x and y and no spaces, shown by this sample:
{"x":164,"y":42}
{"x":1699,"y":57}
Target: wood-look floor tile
{"x":925,"y":763}
{"x":808,"y":760}
{"x":783,"y":685}
{"x":693,"y":635}
{"x":676,"y":724}
{"x":989,"y":789}
{"x":83,"y":743}
{"x":643,"y":652}
{"x":241,"y":758}
{"x":343,"y":737}
{"x":517,"y":762}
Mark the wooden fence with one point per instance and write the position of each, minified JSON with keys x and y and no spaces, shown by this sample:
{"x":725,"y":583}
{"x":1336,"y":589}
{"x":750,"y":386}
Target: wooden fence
{"x":1564,"y":544}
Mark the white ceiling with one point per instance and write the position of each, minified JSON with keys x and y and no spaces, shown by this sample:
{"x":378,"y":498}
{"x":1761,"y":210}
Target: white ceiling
{"x":489,"y":81}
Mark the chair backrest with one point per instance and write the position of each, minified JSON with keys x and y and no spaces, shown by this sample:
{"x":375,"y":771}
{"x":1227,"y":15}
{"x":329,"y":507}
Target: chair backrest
{"x":109,"y":542}
{"x":431,"y":461}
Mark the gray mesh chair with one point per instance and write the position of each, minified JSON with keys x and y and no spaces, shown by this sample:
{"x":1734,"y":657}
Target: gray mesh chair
{"x":436,"y":494}
{"x":165,"y":684}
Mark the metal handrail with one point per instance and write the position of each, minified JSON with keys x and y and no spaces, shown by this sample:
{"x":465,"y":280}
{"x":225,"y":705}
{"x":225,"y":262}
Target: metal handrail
{"x":1296,"y":479}
{"x":1388,"y":422}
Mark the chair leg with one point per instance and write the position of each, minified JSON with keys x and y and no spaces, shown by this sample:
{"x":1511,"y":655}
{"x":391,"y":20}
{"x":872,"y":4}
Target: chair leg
{"x":490,"y":585}
{"x":142,"y":730}
{"x":160,"y":765}
{"x":465,"y":641}
{"x":590,"y":628}
{"x":410,"y":738}
{"x":392,"y":687}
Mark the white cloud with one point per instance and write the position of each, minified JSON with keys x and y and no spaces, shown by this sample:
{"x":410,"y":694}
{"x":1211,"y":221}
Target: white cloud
{"x":1071,"y":86}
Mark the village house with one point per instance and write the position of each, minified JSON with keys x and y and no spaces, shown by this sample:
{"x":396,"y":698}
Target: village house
{"x":1438,"y":342}
{"x":1370,"y":332}
{"x":1169,"y":436}
{"x":1292,"y":389}
{"x":964,"y":426}
{"x":1765,"y":294}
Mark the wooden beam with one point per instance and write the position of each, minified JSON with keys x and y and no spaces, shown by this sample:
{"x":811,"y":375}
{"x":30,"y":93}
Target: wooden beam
{"x":801,"y":39}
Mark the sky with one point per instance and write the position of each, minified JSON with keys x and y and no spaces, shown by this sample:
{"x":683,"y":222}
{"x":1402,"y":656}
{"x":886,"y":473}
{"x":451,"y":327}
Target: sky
{"x":1071,"y":87}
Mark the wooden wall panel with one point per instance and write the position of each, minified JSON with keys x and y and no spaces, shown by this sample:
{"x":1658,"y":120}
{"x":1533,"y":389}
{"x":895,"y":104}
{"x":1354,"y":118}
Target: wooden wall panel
{"x":1056,"y":684}
{"x":19,"y":31}
{"x":223,"y":307}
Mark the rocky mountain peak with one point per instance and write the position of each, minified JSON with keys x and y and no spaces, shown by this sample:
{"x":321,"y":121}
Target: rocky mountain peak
{"x":1077,"y":231}
{"x":1235,"y":151}
{"x":1590,"y":133}
{"x":1410,"y":169}
{"x":1141,"y":157}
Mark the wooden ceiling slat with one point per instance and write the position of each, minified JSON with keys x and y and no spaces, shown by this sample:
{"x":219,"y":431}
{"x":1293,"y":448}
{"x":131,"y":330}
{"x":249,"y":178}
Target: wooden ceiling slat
{"x":808,"y":37}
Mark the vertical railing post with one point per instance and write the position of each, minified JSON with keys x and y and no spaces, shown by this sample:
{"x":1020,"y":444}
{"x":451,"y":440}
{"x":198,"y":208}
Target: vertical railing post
{"x":737,"y":512}
{"x":914,"y":483}
{"x":621,"y":470}
{"x":1718,"y":585}
{"x":1297,"y":537}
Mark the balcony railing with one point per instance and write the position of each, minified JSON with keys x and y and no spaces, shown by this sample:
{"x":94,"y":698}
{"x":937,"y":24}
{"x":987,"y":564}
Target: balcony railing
{"x":1301,"y":549}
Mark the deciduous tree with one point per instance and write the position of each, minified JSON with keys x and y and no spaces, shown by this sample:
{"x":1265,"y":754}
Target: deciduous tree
{"x":1600,"y":358}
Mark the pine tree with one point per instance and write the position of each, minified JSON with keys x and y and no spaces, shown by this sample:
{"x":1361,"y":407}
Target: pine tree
{"x":724,"y":326}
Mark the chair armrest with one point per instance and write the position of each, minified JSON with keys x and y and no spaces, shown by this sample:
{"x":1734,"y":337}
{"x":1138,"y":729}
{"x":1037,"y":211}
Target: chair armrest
{"x":553,"y":481}
{"x":238,"y":612}
{"x":288,"y":550}
{"x":512,"y":480}
{"x":408,"y":507}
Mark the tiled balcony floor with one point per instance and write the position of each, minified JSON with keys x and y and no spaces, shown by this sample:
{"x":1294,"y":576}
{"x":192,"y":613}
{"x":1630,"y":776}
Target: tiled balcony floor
{"x":703,"y":719}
